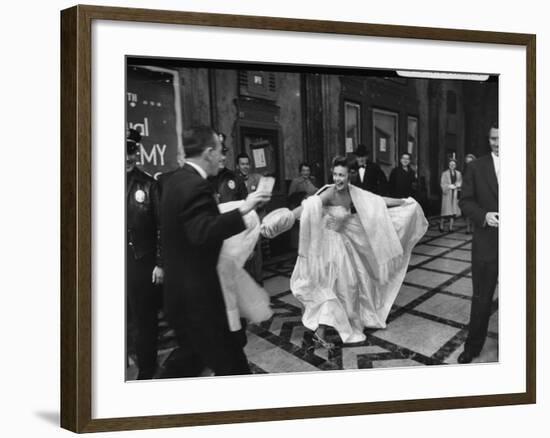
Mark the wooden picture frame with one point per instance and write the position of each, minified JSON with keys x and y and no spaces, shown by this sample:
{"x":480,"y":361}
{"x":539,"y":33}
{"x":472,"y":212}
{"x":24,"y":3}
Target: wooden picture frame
{"x":76,"y":218}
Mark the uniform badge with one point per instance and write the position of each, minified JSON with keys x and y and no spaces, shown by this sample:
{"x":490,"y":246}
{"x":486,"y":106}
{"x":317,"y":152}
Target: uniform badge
{"x":140,"y":196}
{"x":231,"y":184}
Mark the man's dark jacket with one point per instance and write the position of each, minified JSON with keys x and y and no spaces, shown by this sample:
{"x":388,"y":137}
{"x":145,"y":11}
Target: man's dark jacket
{"x":193,"y":232}
{"x":374,"y":179}
{"x":479,"y":196}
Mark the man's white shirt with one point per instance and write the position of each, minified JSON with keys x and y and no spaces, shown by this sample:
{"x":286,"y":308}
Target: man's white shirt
{"x":496,"y":162}
{"x":362,"y":173}
{"x":198,"y":169}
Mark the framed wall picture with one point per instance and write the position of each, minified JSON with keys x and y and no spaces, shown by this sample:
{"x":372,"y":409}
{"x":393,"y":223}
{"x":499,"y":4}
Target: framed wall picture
{"x":412,"y":139}
{"x":136,"y":96}
{"x":385,"y":131}
{"x":352,"y":114}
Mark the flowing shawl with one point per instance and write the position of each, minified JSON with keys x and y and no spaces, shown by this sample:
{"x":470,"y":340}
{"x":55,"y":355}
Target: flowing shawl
{"x":243,"y":296}
{"x":384,"y":252}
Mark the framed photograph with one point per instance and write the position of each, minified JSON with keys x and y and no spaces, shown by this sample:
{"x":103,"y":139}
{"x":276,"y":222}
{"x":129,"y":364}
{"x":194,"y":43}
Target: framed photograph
{"x":412,"y":139}
{"x":166,"y":325}
{"x":385,"y":137}
{"x":352,"y":114}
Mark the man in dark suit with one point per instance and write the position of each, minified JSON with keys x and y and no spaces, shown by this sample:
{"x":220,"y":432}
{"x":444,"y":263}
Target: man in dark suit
{"x":402,"y":178}
{"x":479,"y":202}
{"x":369,"y":175}
{"x":193,"y":231}
{"x":143,"y":260}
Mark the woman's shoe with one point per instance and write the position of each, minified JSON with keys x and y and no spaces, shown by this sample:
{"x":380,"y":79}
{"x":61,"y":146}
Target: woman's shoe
{"x":356,"y":336}
{"x":321,"y":343}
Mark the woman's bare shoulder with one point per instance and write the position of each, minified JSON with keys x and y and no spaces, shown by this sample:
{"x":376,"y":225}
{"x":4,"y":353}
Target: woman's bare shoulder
{"x":326,"y":194}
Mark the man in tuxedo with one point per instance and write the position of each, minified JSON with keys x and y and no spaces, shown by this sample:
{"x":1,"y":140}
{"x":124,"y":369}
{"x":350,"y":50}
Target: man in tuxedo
{"x":369,"y":175}
{"x":193,"y":231}
{"x":479,"y":202}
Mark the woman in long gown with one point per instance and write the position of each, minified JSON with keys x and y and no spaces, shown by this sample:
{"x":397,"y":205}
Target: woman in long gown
{"x":353,"y":254}
{"x":451,"y":182}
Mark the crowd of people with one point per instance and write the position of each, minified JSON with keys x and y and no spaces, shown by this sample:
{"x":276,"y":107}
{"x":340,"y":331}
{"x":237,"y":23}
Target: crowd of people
{"x":197,"y":232}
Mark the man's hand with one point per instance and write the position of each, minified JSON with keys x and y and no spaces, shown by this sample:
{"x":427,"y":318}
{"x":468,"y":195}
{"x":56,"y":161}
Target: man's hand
{"x":491,"y":219}
{"x":254,"y":200}
{"x":158,"y":275}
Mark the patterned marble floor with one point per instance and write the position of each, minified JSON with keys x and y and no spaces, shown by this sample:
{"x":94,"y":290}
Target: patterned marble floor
{"x":426,"y":326}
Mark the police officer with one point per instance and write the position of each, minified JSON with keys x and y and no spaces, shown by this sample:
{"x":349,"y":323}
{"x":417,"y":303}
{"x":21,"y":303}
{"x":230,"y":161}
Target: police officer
{"x":143,"y":260}
{"x":226,"y":185}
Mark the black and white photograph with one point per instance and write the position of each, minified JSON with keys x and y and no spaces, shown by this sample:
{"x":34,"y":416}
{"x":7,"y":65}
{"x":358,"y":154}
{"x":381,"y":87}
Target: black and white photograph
{"x":286,"y":218}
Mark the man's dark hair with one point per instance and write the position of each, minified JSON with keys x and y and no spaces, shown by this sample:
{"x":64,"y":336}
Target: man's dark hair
{"x":361,"y":151}
{"x":242,"y":155}
{"x":493,"y":125}
{"x":197,"y":139}
{"x":302,"y":164}
{"x":407,"y":154}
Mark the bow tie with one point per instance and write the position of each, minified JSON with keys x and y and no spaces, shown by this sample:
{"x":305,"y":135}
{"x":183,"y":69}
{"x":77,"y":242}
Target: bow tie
{"x":362,"y":166}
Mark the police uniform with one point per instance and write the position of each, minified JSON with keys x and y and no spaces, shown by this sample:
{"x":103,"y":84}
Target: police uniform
{"x":228,"y":187}
{"x":143,"y":252}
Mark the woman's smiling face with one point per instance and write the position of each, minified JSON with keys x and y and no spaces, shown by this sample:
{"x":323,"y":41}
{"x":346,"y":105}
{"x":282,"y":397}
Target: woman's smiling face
{"x":340,"y":175}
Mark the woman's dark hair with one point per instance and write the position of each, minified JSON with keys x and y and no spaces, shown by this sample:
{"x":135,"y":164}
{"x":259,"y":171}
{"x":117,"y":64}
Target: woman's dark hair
{"x":340,"y":160}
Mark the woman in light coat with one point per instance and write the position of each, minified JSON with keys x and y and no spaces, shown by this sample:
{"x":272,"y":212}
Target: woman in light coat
{"x":451,"y":181}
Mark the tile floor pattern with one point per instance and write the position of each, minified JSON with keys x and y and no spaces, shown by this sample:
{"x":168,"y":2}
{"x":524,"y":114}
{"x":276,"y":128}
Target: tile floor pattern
{"x":426,"y":326}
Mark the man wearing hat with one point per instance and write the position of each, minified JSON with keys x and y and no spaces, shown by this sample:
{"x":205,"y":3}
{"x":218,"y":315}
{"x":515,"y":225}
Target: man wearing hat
{"x":369,"y":175}
{"x":143,"y":260}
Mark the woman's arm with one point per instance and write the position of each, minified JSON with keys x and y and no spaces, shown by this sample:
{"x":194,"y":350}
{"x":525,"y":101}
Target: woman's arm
{"x":297,"y":212}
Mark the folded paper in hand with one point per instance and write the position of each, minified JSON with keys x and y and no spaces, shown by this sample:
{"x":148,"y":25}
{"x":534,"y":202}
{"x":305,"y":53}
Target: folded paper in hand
{"x":266,"y":184}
